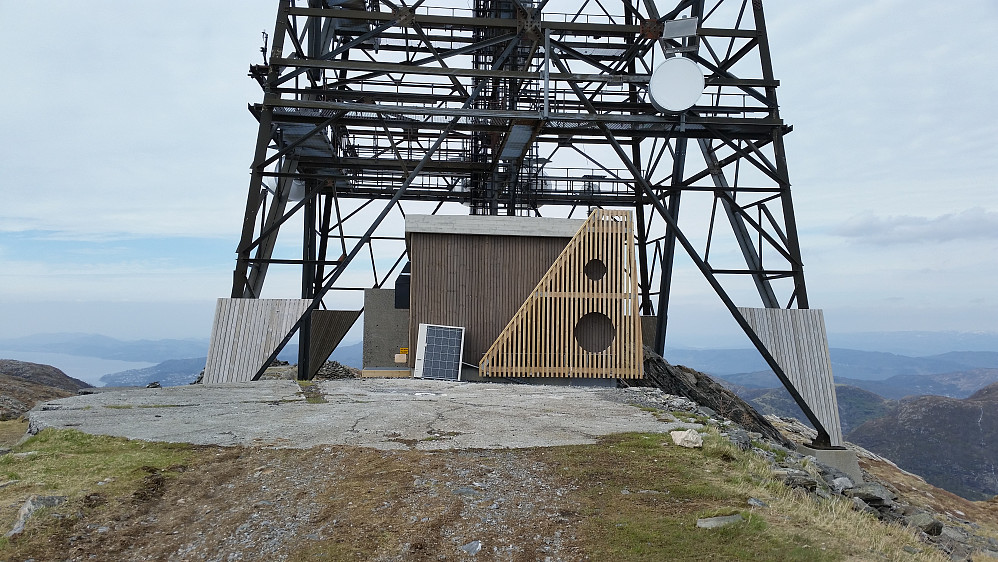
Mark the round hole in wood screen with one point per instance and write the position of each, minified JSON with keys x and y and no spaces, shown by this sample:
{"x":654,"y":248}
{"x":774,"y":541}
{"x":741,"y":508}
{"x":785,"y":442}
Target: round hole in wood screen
{"x":594,"y":269}
{"x":594,"y":332}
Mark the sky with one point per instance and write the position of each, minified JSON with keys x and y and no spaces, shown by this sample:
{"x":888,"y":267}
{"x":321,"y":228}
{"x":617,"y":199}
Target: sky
{"x":123,"y":178}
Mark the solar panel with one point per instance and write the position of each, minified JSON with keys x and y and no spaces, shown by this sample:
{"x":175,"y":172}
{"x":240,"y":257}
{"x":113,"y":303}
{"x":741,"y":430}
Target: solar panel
{"x":438,"y":352}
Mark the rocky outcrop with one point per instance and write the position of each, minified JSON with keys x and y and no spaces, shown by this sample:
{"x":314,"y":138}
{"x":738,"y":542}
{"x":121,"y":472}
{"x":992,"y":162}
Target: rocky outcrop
{"x":23,"y":384}
{"x":332,"y":370}
{"x":702,"y":389}
{"x":31,"y":505}
{"x":41,"y":374}
{"x":891,"y":499}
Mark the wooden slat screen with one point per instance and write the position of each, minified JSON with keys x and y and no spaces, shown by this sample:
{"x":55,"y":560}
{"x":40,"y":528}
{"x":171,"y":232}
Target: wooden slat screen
{"x":245,"y":333}
{"x":328,"y":329}
{"x":586,"y":299}
{"x":796,"y":339}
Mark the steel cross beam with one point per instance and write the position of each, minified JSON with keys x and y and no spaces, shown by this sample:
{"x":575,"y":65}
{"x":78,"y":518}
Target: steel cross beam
{"x":317,"y":298}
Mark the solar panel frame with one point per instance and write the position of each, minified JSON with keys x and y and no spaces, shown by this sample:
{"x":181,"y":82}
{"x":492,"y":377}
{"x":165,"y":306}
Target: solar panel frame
{"x":439,"y":351}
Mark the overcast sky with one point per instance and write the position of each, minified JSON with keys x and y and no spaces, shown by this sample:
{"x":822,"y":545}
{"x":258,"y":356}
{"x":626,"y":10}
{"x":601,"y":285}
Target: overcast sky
{"x":123,"y":178}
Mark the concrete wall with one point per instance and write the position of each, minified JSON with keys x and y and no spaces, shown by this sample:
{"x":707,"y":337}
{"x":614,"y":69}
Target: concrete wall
{"x":386,"y":329}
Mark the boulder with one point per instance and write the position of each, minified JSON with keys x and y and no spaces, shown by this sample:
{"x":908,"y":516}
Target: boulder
{"x":34,"y":503}
{"x":687,"y":438}
{"x":723,"y":521}
{"x":927,"y":523}
{"x":472,"y":547}
{"x":804,"y":482}
{"x":871,"y":493}
{"x":841,"y":483}
{"x":739,"y":437}
{"x":861,"y":506}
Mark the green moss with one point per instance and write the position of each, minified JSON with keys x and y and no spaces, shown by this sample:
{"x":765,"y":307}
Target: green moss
{"x":311,"y":392}
{"x":70,"y":463}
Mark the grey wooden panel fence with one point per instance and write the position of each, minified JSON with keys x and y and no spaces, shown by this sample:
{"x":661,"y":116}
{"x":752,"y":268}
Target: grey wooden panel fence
{"x":245,"y":333}
{"x":796,"y":338}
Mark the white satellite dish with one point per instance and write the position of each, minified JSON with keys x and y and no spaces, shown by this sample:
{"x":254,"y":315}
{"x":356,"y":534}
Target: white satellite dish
{"x":297,"y":191}
{"x":676,"y":85}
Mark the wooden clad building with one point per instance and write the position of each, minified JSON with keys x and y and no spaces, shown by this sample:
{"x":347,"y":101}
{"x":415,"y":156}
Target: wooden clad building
{"x":476,"y":271}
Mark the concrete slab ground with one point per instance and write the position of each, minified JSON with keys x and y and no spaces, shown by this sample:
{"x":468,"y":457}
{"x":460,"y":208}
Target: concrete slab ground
{"x":381,"y":413}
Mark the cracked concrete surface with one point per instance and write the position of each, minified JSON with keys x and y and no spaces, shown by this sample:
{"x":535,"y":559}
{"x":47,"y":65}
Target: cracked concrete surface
{"x":379,"y":413}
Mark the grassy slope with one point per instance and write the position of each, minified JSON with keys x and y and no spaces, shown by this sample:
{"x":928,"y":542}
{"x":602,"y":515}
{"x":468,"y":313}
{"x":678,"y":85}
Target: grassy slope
{"x":631,"y":497}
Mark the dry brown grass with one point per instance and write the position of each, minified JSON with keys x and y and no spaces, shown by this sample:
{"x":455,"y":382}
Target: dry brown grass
{"x":713,"y":481}
{"x":628,"y":497}
{"x":916,"y":491}
{"x":12,"y":431}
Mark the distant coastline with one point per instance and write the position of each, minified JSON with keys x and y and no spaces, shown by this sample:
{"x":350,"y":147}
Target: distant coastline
{"x":87,"y":369}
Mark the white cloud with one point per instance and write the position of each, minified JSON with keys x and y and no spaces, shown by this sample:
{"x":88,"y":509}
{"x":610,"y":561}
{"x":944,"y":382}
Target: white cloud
{"x":976,"y":223}
{"x":150,"y":280}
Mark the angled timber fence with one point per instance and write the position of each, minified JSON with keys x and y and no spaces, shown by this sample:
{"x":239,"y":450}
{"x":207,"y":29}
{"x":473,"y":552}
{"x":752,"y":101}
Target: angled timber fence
{"x":582,"y":319}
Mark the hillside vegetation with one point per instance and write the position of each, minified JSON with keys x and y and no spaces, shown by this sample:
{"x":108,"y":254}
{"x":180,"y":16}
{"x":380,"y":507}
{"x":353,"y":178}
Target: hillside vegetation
{"x":856,"y":406}
{"x":24,"y":384}
{"x":952,"y":443}
{"x":628,"y":497}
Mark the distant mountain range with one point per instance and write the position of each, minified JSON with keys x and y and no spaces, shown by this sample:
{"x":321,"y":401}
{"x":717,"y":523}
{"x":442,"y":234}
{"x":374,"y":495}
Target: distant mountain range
{"x":960,"y":384}
{"x":149,"y":351}
{"x":952,"y":443}
{"x":915,"y":344}
{"x":175,"y":372}
{"x":747,"y":368}
{"x":856,"y":406}
{"x":103,"y":347}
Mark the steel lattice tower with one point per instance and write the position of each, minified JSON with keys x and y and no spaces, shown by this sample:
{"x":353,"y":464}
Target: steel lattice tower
{"x":376,"y":108}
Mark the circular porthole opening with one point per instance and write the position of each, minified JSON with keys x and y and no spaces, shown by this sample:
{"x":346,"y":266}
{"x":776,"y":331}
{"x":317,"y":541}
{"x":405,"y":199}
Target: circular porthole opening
{"x":594,"y":269}
{"x":594,"y":332}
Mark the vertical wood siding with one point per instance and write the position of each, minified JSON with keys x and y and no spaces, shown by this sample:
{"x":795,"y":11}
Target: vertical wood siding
{"x":245,"y":333}
{"x":796,"y":339}
{"x":475,"y":281}
{"x":594,"y":278}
